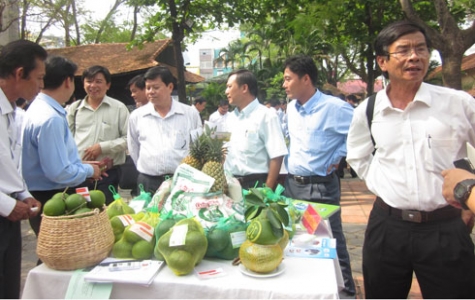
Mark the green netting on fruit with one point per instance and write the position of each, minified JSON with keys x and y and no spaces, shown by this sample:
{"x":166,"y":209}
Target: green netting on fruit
{"x":225,"y":238}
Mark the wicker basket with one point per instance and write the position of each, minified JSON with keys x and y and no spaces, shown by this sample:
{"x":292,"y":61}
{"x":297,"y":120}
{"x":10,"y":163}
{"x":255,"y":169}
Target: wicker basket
{"x":75,"y":242}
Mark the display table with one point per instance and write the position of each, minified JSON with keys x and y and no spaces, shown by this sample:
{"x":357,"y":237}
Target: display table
{"x":303,"y":278}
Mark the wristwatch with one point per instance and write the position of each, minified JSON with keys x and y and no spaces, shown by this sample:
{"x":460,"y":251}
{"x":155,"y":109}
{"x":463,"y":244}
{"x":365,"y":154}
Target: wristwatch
{"x":462,"y":191}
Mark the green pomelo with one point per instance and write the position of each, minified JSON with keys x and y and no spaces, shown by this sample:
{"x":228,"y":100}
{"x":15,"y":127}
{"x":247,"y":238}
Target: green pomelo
{"x":142,"y":250}
{"x":82,"y":210}
{"x":131,"y":236}
{"x":260,"y":232}
{"x":98,"y":199}
{"x":60,"y":196}
{"x":122,"y":249}
{"x":181,"y":262}
{"x":218,"y":239}
{"x":117,"y":225}
{"x":74,"y":201}
{"x":260,"y":258}
{"x":284,"y":241}
{"x":114,"y":210}
{"x":54,"y":207}
{"x":164,"y":226}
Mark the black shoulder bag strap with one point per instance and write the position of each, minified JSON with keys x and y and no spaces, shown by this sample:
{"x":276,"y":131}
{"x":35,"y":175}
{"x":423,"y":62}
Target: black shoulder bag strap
{"x":75,"y":113}
{"x":369,"y":115}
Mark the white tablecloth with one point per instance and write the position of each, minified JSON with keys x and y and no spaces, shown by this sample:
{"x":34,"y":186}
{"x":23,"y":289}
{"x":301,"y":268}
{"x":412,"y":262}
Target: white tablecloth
{"x":302,"y":278}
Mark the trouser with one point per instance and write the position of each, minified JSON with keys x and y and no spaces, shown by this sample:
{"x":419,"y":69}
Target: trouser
{"x":440,"y":253}
{"x":328,"y":193}
{"x":10,"y":259}
{"x":151,"y":183}
{"x":103,"y":184}
{"x":252,"y":180}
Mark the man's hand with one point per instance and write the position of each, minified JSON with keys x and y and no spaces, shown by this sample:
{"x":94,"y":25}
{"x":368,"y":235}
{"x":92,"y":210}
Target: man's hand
{"x":35,"y":206}
{"x":92,"y":152}
{"x":21,"y":211}
{"x":468,"y":219}
{"x":451,"y":178}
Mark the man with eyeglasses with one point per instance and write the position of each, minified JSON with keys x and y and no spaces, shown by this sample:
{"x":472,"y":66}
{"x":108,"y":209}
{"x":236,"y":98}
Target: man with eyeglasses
{"x":418,"y":130}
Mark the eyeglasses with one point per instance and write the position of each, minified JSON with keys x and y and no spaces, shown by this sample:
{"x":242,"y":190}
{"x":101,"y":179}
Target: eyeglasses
{"x":421,"y":51}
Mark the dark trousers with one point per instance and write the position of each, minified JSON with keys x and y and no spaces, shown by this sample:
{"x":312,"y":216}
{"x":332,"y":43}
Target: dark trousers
{"x":250,"y":181}
{"x":103,"y":184}
{"x":10,"y":259}
{"x":327,"y":193}
{"x":440,"y":253}
{"x":151,"y":183}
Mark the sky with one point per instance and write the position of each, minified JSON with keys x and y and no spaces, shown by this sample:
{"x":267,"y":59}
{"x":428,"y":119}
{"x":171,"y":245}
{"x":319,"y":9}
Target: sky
{"x":212,"y":39}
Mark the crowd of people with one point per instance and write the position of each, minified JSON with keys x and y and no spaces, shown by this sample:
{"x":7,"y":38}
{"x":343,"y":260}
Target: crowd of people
{"x":402,"y":142}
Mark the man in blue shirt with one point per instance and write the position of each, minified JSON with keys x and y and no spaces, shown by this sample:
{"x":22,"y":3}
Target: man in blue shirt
{"x":50,"y":159}
{"x":317,"y":127}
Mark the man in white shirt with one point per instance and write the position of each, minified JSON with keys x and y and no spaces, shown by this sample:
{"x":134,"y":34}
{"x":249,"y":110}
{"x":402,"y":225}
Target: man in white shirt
{"x":99,"y":126}
{"x":199,"y":104}
{"x":159,"y":132}
{"x":257,"y":146}
{"x":22,"y":69}
{"x":219,"y":118}
{"x":419,"y":130}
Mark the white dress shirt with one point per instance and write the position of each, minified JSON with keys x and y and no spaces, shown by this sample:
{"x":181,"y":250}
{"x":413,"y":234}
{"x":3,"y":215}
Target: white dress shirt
{"x":413,"y":145}
{"x":256,"y":137}
{"x":10,"y":178}
{"x":219,"y":121}
{"x":157,"y":145}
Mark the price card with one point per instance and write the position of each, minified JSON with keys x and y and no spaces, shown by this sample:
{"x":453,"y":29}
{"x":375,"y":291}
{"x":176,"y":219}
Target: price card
{"x":178,"y":235}
{"x":84,"y":191}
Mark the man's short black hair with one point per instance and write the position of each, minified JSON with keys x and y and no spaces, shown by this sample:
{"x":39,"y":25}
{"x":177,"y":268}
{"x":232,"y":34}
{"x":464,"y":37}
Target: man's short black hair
{"x":94,"y":70}
{"x":352,"y":98}
{"x":138,"y":81}
{"x":301,"y":65}
{"x":20,"y":53}
{"x":223,"y":103}
{"x":199,"y":100}
{"x":246,"y":77}
{"x":58,"y":68}
{"x":160,"y":72}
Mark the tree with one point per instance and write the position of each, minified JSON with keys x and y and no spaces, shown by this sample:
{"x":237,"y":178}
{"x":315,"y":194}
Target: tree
{"x":447,"y":37}
{"x":186,"y":18}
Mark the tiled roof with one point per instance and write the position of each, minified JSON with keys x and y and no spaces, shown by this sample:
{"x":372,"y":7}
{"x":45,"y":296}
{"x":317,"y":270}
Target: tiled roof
{"x":119,"y":60}
{"x":468,"y":63}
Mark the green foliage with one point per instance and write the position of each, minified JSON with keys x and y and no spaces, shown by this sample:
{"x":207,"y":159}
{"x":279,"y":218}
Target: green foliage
{"x":213,"y":93}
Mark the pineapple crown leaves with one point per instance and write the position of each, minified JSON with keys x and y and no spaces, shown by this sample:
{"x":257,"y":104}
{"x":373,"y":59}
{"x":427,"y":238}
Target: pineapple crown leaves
{"x":257,"y":200}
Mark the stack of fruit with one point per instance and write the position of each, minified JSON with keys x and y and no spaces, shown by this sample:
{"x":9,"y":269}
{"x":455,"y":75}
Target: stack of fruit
{"x":224,"y":239}
{"x":206,"y":154}
{"x":138,"y":238}
{"x":63,"y":204}
{"x":182,"y":257}
{"x":262,"y":252}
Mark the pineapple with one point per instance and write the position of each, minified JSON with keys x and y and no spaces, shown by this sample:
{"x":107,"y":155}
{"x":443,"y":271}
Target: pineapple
{"x":214,"y":164}
{"x":197,"y":151}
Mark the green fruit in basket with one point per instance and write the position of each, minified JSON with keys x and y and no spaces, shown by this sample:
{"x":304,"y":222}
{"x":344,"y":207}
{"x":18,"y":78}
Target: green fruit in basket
{"x":142,"y":250}
{"x":60,"y":196}
{"x":82,"y":210}
{"x":122,"y":249}
{"x":74,"y":201}
{"x":54,"y":207}
{"x":98,"y":199}
{"x":260,"y":232}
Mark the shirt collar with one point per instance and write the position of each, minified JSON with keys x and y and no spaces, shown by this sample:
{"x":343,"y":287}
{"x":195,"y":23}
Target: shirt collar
{"x":53,"y":103}
{"x":422,"y":96}
{"x":175,"y":109}
{"x":5,"y":105}
{"x":311,"y":104}
{"x":106,"y":100}
{"x":247,"y":110}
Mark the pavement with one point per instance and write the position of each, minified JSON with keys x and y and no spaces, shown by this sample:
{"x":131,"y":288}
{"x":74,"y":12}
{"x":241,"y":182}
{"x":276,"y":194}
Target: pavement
{"x":356,"y":204}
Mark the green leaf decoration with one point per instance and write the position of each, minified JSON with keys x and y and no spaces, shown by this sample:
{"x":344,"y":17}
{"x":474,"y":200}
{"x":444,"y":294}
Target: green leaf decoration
{"x":252,"y":212}
{"x":281,"y":213}
{"x":253,"y":199}
{"x":275,"y":223}
{"x":258,"y":193}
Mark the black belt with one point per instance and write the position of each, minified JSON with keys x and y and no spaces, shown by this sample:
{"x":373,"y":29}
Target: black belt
{"x":251,"y":178}
{"x":312,"y":179}
{"x":417,"y":216}
{"x":158,"y":177}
